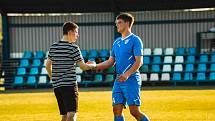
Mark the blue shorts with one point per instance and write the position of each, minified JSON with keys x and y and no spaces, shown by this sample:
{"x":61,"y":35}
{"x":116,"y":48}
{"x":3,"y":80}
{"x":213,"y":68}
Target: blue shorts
{"x":128,"y":92}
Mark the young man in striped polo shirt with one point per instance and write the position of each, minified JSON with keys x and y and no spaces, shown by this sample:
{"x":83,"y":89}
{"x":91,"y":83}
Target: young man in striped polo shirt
{"x":61,"y":63}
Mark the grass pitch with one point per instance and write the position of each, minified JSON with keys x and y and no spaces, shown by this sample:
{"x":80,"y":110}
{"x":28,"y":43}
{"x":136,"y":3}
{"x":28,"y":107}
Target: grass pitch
{"x":159,"y":103}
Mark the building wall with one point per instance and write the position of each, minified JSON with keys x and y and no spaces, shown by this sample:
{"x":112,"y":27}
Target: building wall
{"x":156,"y":29}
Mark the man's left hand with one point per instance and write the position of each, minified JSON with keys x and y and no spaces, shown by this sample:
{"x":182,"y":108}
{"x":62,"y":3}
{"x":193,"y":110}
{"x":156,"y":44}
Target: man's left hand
{"x":123,"y":78}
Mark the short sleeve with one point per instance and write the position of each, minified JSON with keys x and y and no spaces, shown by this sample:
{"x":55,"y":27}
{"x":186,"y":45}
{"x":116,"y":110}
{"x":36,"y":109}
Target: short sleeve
{"x":49,"y":54}
{"x":77,"y":55}
{"x":113,"y":51}
{"x":138,"y":47}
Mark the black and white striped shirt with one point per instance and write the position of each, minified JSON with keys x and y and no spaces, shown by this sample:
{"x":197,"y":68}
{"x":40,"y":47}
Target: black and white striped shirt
{"x":64,"y":56}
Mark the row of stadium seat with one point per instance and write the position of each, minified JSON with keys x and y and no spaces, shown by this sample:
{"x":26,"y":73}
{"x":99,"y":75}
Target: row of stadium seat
{"x":179,"y":59}
{"x":104,"y":53}
{"x":30,"y":55}
{"x":177,"y":68}
{"x":43,"y":80}
{"x":179,"y":77}
{"x":31,"y":71}
{"x":92,"y":53}
{"x":31,"y":81}
{"x":146,"y":60}
{"x":170,"y":51}
{"x":32,"y":63}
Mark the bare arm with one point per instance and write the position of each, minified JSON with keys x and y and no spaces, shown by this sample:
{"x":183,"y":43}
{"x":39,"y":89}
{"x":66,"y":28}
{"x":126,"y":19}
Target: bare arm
{"x":138,"y":63}
{"x":85,"y":66}
{"x":106,"y":64}
{"x":49,"y":68}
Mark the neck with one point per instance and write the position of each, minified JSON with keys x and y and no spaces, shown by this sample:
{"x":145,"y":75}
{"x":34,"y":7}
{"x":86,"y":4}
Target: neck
{"x":126,"y":33}
{"x":66,"y":38}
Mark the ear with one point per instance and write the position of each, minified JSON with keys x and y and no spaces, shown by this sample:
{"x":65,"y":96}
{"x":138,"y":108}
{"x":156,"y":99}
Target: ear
{"x":127,"y":23}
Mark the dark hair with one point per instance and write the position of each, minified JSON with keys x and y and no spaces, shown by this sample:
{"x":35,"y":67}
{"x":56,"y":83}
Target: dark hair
{"x":127,"y":17}
{"x":68,"y":26}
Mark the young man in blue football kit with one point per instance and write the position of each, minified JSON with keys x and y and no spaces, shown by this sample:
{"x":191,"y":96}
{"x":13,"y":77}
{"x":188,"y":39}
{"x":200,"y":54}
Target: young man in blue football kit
{"x":127,"y":56}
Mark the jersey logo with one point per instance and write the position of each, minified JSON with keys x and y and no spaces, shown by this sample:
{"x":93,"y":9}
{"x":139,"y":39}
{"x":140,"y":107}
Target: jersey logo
{"x":118,"y":43}
{"x":126,"y":41}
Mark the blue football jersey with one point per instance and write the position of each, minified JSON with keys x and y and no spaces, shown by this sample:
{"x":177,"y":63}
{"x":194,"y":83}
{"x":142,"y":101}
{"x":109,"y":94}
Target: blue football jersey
{"x":125,"y":50}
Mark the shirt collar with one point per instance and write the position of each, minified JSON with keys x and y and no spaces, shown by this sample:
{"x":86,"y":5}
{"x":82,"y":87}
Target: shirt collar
{"x":127,"y":36}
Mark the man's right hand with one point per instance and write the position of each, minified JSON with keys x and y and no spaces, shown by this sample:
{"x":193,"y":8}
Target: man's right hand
{"x":92,"y":63}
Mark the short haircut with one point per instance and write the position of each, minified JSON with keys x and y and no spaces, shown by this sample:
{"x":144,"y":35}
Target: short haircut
{"x":68,"y":26}
{"x":127,"y":17}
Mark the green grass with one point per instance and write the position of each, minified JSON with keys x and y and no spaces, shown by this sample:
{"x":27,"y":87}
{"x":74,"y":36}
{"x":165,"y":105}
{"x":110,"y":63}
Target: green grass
{"x":159,"y":103}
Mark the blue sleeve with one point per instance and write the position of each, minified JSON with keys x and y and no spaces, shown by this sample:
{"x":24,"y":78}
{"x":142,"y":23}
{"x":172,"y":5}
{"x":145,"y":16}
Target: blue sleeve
{"x":113,"y":51}
{"x":138,"y":47}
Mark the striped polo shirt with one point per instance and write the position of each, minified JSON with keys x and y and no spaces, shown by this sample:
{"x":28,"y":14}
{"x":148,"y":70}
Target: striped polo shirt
{"x":64,"y":56}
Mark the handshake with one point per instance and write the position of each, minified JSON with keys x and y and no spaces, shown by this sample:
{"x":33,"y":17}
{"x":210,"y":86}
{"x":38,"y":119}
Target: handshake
{"x":92,"y":65}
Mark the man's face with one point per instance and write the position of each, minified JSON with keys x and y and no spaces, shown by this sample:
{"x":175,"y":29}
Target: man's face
{"x":121,"y":25}
{"x":73,"y":34}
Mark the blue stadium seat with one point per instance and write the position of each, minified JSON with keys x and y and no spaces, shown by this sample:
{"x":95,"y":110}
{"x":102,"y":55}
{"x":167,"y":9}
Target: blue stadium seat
{"x":212,"y":76}
{"x":180,"y":51}
{"x":178,"y":68}
{"x":91,"y":59}
{"x":46,"y":54}
{"x":24,"y":63}
{"x":78,"y":70}
{"x":84,"y":53}
{"x":191,"y":51}
{"x":93,"y":53}
{"x":109,"y":78}
{"x":43,"y":81}
{"x":176,"y":77}
{"x":155,"y":68}
{"x":104,"y":53}
{"x":167,"y":59}
{"x":147,"y":52}
{"x":44,"y":62}
{"x":144,"y":77}
{"x":203,"y":58}
{"x":157,"y":51}
{"x":191,"y":59}
{"x":111,"y":70}
{"x":201,"y":77}
{"x":104,"y":59}
{"x":189,"y":68}
{"x":156,"y":60}
{"x":165,"y":77}
{"x":18,"y":81}
{"x":179,"y":59}
{"x":98,"y":78}
{"x":154,"y":77}
{"x":169,"y":51}
{"x":167,"y":68}
{"x":78,"y":78}
{"x":213,"y":58}
{"x":36,"y":63}
{"x":27,"y":55}
{"x":31,"y":81}
{"x":34,"y":71}
{"x":188,"y":76}
{"x":202,"y":68}
{"x":21,"y":71}
{"x":144,"y":68}
{"x":43,"y":71}
{"x":146,"y":60}
{"x":39,"y":54}
{"x":212,"y":67}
